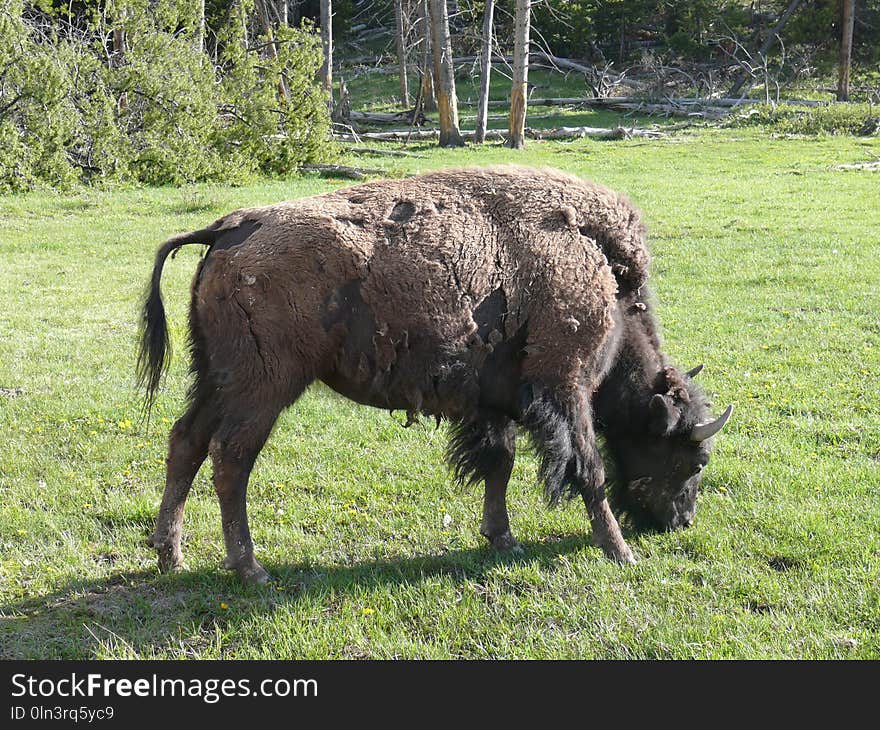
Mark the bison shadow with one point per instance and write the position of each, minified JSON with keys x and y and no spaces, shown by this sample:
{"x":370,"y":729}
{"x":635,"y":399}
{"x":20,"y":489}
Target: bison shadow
{"x":137,"y":614}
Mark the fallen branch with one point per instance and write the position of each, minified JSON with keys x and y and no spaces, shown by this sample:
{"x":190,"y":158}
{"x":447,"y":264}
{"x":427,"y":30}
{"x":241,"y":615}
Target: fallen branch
{"x":537,"y":59}
{"x":346,"y":171}
{"x":377,"y":151}
{"x":411,"y":116}
{"x":348,"y":129}
{"x":394,"y":135}
{"x":594,"y":132}
{"x":534,"y":57}
{"x":566,"y":63}
{"x":506,"y":117}
{"x":563,"y":101}
{"x":872,"y":166}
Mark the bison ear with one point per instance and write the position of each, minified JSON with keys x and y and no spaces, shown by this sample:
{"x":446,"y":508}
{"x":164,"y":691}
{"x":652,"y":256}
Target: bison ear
{"x":663,"y":415}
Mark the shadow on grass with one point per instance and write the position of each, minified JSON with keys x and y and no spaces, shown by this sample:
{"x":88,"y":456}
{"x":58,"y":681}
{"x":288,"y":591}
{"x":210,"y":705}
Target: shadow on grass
{"x":141,"y":613}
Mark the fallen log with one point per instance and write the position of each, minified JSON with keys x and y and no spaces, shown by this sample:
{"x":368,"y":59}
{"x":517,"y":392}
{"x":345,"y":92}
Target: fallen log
{"x":872,"y":166}
{"x":563,"y":63}
{"x":562,"y":101}
{"x":536,"y":59}
{"x":594,"y":132}
{"x":535,"y":56}
{"x":406,"y":135}
{"x":394,"y":135}
{"x":464,"y":118}
{"x":377,"y":151}
{"x":346,"y":171}
{"x":641,"y":107}
{"x":411,"y":116}
{"x":609,"y":102}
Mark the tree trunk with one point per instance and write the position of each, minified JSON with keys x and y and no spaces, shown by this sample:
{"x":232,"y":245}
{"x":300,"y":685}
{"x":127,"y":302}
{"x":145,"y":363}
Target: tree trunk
{"x":846,"y":39}
{"x":283,"y":93}
{"x":429,"y":99}
{"x":342,"y":111}
{"x":400,"y":41}
{"x":200,"y":28}
{"x":327,"y":43}
{"x":243,"y":16}
{"x":485,"y":73}
{"x":117,"y":58}
{"x":118,"y":46}
{"x":447,"y":102}
{"x":518,"y":91}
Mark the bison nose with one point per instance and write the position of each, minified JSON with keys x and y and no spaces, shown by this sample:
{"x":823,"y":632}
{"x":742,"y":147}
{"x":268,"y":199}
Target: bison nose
{"x":682,"y":522}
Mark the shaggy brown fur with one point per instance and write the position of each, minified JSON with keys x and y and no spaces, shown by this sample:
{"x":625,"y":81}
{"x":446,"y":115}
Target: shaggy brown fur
{"x":485,"y":296}
{"x":422,"y":254}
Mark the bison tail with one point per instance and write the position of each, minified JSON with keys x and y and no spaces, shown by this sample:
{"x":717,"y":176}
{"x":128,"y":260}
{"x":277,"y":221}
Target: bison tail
{"x":155,"y":347}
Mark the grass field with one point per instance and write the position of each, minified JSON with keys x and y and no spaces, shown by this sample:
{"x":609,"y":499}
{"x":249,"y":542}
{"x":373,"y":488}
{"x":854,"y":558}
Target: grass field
{"x":767,"y":268}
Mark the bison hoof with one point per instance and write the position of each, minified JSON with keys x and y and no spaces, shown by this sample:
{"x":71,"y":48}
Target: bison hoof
{"x":170,"y":559}
{"x":622,"y":555}
{"x":505,"y":542}
{"x":250,"y":572}
{"x":618,"y":551}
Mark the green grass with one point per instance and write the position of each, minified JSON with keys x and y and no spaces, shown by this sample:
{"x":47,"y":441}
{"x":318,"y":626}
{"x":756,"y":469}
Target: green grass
{"x":767,"y":268}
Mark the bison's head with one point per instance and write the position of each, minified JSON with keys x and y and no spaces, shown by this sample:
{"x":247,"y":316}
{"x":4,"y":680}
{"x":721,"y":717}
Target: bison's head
{"x":660,"y":454}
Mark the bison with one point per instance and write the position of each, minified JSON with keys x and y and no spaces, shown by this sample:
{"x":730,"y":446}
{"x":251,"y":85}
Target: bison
{"x":489,"y":297}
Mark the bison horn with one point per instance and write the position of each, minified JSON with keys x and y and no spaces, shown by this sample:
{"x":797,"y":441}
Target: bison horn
{"x":703,"y":431}
{"x":695,"y":372}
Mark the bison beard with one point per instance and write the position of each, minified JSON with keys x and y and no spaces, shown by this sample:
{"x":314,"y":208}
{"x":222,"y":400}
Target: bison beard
{"x":489,"y":297}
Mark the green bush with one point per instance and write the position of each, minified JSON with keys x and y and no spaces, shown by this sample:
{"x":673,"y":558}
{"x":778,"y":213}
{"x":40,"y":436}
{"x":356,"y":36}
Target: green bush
{"x":262,"y":129}
{"x":823,"y":119}
{"x":36,"y":122}
{"x":72,"y":110}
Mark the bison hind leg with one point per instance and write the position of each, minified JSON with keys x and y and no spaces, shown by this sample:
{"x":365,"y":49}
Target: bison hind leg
{"x":234,"y":448}
{"x":187,"y":449}
{"x":483,"y":449}
{"x":248,"y":419}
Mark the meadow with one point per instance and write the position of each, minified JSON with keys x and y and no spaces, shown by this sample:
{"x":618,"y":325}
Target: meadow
{"x":766,"y":268}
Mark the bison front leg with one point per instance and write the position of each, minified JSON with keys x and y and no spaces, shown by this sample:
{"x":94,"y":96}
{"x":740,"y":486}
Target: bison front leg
{"x":483,"y":450}
{"x":495,"y":526}
{"x":561,"y":427}
{"x":606,"y":531}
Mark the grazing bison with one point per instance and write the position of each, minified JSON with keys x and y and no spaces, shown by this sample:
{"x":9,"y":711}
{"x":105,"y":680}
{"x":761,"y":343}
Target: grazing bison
{"x":489,"y":297}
